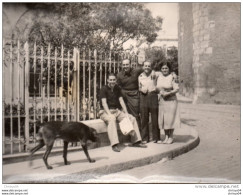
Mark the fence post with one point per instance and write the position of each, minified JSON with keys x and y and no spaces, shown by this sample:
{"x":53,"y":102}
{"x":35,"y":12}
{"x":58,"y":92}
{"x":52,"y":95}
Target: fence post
{"x":75,"y":84}
{"x":62,"y":84}
{"x":26,"y":101}
{"x":95,"y":84}
{"x":3,"y":97}
{"x":48,"y":80}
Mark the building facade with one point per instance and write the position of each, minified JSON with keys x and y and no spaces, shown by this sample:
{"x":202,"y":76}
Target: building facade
{"x":209,"y":52}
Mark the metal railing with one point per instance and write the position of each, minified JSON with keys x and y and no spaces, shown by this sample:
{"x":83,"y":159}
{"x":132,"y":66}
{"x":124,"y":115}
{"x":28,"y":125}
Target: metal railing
{"x":44,"y":83}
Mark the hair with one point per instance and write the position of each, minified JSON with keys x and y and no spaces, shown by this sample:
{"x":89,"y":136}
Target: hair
{"x":148,"y":61}
{"x":168,"y":65}
{"x":126,"y":59}
{"x":111,"y":74}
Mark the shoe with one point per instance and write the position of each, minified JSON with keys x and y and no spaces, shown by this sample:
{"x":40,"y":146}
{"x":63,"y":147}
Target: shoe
{"x":115,"y":148}
{"x":165,"y":140}
{"x":144,"y":142}
{"x":139,"y":145}
{"x":155,"y":141}
{"x":159,"y":142}
{"x":170,"y":141}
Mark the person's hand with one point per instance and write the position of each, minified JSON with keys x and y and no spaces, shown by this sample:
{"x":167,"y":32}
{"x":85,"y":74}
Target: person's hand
{"x":127,"y":115}
{"x":175,"y":77}
{"x":164,"y":93}
{"x":110,"y":115}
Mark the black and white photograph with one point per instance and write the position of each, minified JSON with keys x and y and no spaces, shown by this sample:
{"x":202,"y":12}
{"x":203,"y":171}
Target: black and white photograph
{"x":121,"y":93}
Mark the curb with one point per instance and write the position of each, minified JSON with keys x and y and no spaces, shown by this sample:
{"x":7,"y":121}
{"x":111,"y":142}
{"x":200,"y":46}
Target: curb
{"x":116,"y":163}
{"x":81,"y":176}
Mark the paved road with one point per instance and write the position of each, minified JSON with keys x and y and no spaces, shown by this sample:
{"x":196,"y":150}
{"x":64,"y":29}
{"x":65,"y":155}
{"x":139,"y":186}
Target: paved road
{"x":215,"y":160}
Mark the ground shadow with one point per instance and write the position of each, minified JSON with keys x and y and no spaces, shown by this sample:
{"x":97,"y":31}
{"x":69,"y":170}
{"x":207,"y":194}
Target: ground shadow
{"x":60,"y":164}
{"x":183,"y":138}
{"x":180,"y":138}
{"x":82,"y":161}
{"x":189,"y":122}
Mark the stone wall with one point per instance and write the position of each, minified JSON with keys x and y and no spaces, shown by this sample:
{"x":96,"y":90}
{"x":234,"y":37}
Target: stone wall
{"x":185,"y":49}
{"x":215,"y":32}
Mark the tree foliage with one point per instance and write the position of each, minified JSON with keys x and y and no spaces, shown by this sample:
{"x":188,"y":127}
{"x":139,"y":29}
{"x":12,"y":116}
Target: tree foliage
{"x":104,"y":25}
{"x":172,"y":58}
{"x":158,"y":57}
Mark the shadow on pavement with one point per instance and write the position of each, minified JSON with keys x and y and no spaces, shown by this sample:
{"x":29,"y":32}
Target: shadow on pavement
{"x":189,"y":122}
{"x":60,"y":164}
{"x":183,"y":138}
{"x":81,"y":161}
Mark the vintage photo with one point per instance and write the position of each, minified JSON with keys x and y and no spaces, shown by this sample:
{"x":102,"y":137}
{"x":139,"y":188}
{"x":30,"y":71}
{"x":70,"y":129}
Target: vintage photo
{"x":121,"y":92}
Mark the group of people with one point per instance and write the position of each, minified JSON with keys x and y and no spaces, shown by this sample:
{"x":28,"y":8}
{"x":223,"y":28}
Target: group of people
{"x":136,"y":93}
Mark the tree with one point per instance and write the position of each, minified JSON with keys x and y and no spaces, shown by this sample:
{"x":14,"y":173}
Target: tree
{"x":100,"y":25}
{"x":172,"y":58}
{"x":120,"y":22}
{"x":156,"y":56}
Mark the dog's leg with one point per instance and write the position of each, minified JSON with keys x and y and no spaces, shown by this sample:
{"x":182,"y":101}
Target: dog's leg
{"x":84,"y":146}
{"x":33,"y":150}
{"x":45,"y":157}
{"x":65,"y":146}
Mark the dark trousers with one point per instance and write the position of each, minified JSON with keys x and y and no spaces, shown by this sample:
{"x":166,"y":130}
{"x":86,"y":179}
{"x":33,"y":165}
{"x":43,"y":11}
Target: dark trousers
{"x":149,"y":104}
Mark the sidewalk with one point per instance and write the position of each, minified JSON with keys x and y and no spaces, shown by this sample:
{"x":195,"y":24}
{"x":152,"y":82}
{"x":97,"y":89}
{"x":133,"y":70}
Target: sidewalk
{"x":183,"y":99}
{"x":107,"y":161}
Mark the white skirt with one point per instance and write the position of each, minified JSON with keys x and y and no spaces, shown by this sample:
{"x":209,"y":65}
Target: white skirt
{"x":169,"y":114}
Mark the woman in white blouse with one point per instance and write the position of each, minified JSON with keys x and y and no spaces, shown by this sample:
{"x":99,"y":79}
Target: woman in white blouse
{"x":168,"y":106}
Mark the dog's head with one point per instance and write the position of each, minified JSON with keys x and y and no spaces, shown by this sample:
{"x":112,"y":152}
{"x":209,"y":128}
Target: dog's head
{"x":93,"y":135}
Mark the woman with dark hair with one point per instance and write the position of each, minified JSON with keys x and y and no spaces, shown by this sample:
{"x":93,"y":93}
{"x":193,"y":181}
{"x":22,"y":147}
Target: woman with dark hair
{"x":168,"y":106}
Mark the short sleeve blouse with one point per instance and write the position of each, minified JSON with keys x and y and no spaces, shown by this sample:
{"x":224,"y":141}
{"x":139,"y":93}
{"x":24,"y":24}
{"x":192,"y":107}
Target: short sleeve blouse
{"x":166,"y":82}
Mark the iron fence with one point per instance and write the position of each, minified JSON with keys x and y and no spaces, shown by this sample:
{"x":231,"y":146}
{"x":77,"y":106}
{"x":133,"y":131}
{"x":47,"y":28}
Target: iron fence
{"x":43,"y":83}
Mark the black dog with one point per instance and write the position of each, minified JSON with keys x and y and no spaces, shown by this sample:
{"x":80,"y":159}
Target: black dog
{"x":69,"y":132}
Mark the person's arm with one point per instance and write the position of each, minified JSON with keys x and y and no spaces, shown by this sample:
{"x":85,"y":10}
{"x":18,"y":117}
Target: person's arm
{"x":139,"y":70}
{"x":105,"y":106}
{"x":165,"y":93}
{"x":140,"y":85}
{"x":175,"y":77}
{"x":118,"y":81}
{"x":157,"y":74}
{"x":123,"y":105}
{"x":172,"y":92}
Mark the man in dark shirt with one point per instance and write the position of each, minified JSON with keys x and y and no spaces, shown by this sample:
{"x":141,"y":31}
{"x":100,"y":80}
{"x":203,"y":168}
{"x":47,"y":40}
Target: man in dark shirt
{"x":111,"y":105}
{"x":127,"y":79}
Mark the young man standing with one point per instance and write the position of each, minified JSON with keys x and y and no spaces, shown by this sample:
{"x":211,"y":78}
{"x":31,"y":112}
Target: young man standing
{"x":114,"y":109}
{"x":148,"y":103}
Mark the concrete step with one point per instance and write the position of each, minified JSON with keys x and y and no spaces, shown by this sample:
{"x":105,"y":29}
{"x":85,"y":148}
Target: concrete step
{"x":107,"y":161}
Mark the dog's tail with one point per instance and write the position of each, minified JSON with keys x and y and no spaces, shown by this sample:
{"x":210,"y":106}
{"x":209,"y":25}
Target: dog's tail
{"x":39,"y":146}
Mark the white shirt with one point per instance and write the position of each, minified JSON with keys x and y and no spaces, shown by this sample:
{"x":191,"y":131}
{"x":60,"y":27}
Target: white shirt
{"x":147,"y":83}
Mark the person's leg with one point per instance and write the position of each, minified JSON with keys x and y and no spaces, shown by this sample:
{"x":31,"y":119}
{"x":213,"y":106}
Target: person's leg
{"x":171,"y":107}
{"x":144,"y":111}
{"x":170,"y":139}
{"x":153,"y":103}
{"x":111,"y":128}
{"x":135,"y":134}
{"x":133,"y":106}
{"x":166,"y":136}
{"x":135,"y":137}
{"x":161,"y":113}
